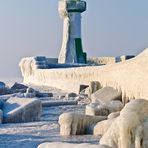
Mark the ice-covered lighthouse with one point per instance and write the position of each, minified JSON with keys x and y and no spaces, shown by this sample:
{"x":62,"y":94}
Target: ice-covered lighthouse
{"x":71,"y":51}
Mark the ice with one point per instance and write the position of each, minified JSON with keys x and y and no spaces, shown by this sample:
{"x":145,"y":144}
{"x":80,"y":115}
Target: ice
{"x":31,"y":134}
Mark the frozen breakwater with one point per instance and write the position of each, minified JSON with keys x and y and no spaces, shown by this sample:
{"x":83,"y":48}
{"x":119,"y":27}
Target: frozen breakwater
{"x":129,"y":76}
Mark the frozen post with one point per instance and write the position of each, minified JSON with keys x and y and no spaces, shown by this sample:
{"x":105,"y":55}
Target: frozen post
{"x":71,"y":51}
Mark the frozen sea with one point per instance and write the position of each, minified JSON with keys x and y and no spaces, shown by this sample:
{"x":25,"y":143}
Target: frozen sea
{"x":30,"y":135}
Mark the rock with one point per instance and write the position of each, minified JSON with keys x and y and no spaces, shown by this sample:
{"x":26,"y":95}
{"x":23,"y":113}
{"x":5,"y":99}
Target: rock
{"x":6,"y":97}
{"x":21,"y":110}
{"x":113,"y":115}
{"x":1,"y":103}
{"x":3,"y":89}
{"x":70,"y":145}
{"x":95,"y":109}
{"x":1,"y":116}
{"x":106,"y":94}
{"x":93,"y":87}
{"x":86,"y":92}
{"x":58,"y":103}
{"x":71,"y":95}
{"x":17,"y":87}
{"x":40,"y":95}
{"x":61,"y":97}
{"x":82,"y":88}
{"x":30,"y":95}
{"x":2,"y":85}
{"x":102,"y":127}
{"x":80,"y":97}
{"x":114,"y":106}
{"x":18,"y":95}
{"x":91,"y":109}
{"x":145,"y":134}
{"x":127,"y":131}
{"x":77,"y":124}
{"x":30,"y":90}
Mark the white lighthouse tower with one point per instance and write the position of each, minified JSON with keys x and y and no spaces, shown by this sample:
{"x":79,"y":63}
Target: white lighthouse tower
{"x":71,"y":51}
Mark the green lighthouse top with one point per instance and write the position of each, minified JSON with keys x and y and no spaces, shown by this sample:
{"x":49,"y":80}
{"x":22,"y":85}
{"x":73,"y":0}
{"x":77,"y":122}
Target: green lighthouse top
{"x":74,"y":5}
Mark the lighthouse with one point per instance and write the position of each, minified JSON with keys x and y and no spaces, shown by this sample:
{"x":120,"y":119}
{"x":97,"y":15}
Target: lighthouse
{"x":71,"y":50}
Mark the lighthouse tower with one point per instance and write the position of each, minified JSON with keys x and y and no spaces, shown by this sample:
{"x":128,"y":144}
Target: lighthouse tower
{"x":71,"y":51}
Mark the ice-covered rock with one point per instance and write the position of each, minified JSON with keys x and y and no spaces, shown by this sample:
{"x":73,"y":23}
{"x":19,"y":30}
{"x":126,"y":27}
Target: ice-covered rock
{"x":80,"y":97}
{"x":106,"y":94}
{"x":40,"y":95}
{"x":114,"y":106}
{"x":4,"y":89}
{"x":1,"y":116}
{"x":61,"y":97}
{"x":93,"y":87}
{"x":71,"y":95}
{"x":18,"y":95}
{"x":21,"y":110}
{"x":30,"y":90}
{"x":96,"y":109}
{"x":86,"y":92}
{"x":6,"y":97}
{"x":2,"y":85}
{"x":17,"y":87}
{"x":102,"y":127}
{"x":58,"y":103}
{"x":1,"y":103}
{"x":30,"y":95}
{"x":82,"y":88}
{"x":77,"y":124}
{"x":145,"y":134}
{"x":127,"y":131}
{"x":70,"y":145}
{"x":113,"y":115}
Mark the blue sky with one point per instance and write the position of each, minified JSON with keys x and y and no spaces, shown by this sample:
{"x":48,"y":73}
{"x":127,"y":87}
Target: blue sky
{"x":33,"y":27}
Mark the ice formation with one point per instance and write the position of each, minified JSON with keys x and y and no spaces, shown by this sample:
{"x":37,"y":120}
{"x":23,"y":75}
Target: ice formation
{"x":68,"y":145}
{"x":129,"y":77}
{"x":17,"y":110}
{"x":77,"y":124}
{"x":106,"y":94}
{"x":102,"y":127}
{"x":104,"y":109}
{"x":128,"y":130}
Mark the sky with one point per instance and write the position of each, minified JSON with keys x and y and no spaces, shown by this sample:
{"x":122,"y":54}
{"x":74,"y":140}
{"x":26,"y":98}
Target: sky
{"x":33,"y":27}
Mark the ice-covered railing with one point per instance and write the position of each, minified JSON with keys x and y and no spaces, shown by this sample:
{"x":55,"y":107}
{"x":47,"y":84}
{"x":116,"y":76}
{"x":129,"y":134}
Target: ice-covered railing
{"x":29,"y":64}
{"x":67,"y":65}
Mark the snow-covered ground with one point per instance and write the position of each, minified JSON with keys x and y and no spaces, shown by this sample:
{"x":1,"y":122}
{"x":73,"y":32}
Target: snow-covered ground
{"x":30,"y":135}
